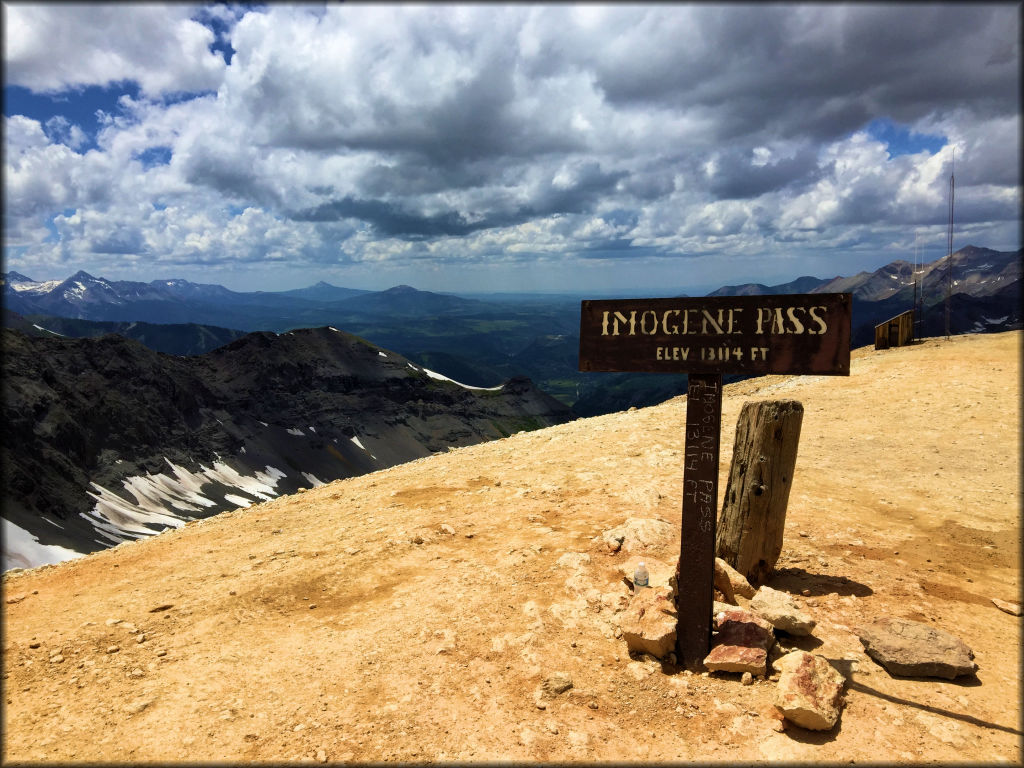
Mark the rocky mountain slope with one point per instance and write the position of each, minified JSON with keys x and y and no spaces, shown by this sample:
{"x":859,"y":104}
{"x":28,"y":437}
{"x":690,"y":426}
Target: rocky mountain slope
{"x":170,"y":338}
{"x":107,"y":440}
{"x":414,"y":613}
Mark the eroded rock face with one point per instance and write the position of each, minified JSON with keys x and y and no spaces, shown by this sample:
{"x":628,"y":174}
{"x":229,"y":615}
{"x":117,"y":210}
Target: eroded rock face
{"x":781,"y":610}
{"x":741,"y":644}
{"x":649,"y":623}
{"x":810,"y":691}
{"x":911,"y":648}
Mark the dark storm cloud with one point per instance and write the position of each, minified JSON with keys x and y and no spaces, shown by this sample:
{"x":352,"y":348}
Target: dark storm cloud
{"x":737,"y":177}
{"x":389,"y":219}
{"x":588,"y":185}
{"x":820,"y":71}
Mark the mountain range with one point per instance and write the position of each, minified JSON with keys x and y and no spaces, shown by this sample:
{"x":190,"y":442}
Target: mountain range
{"x":108,"y":441}
{"x":484,"y":341}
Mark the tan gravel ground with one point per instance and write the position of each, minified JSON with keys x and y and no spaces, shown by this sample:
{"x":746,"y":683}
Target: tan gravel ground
{"x":348,"y":623}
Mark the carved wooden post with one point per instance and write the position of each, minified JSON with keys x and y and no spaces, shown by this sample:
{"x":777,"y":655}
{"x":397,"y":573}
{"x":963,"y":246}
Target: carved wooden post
{"x":750,"y":528}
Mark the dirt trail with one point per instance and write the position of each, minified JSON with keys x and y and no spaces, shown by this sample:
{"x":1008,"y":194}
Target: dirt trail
{"x":411,"y":614}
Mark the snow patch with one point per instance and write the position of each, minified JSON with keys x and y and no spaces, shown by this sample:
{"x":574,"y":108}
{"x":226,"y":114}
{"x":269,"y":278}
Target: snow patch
{"x":439,"y":377}
{"x":996,"y":321}
{"x":237,"y":500}
{"x":45,"y":287}
{"x":47,"y":330}
{"x":382,"y":354}
{"x":23,"y":550}
{"x":356,"y":441}
{"x":118,"y":519}
{"x":296,"y":432}
{"x":312,"y":479}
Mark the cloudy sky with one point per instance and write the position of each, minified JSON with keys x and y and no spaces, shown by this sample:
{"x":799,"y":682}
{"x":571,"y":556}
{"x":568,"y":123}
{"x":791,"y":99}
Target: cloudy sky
{"x":604,"y":148}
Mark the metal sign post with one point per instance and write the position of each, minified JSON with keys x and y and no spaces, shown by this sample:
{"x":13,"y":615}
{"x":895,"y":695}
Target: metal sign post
{"x":705,"y":338}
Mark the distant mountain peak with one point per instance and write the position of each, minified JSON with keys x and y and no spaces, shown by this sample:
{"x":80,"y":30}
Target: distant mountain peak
{"x":402,"y":289}
{"x":81,"y":275}
{"x":17,"y":277}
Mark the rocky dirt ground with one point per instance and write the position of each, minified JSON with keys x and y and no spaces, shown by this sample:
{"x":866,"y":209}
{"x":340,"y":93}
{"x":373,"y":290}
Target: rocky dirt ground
{"x":412,"y":614}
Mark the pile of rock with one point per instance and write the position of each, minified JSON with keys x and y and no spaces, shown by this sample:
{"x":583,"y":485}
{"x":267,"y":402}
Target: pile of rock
{"x":809,"y":689}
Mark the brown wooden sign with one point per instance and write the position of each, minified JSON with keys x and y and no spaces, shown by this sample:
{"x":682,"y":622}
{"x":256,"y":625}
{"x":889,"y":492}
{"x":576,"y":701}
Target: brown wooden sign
{"x":797,"y":333}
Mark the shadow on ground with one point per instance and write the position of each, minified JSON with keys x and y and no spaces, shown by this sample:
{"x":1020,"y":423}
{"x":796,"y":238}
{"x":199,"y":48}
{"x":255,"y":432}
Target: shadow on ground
{"x":796,"y":580}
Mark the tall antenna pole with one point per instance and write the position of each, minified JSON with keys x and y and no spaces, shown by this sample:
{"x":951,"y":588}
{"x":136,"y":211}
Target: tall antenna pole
{"x":917,"y":319}
{"x":949,"y":257}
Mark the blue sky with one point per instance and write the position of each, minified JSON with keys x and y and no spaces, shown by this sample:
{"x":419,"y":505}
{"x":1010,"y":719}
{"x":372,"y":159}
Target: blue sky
{"x":514,"y":147}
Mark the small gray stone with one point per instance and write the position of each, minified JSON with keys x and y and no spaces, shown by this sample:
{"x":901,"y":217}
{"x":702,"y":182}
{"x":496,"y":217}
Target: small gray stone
{"x":911,"y":648}
{"x":559,"y":682}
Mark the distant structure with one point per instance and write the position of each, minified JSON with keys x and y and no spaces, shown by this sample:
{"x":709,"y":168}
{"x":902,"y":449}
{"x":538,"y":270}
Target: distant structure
{"x":896,"y":331}
{"x":918,"y":305}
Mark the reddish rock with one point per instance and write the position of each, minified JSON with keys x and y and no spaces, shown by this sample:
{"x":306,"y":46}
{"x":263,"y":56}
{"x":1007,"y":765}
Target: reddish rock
{"x":741,"y":644}
{"x":737,"y":658}
{"x":810,"y":691}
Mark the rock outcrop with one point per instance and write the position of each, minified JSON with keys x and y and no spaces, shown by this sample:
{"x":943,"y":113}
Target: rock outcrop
{"x":637,"y":533}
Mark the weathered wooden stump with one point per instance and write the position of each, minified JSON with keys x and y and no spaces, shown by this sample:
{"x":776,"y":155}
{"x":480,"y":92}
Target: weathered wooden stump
{"x":750,"y":528}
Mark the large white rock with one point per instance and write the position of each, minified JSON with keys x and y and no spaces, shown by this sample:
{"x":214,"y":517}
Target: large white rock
{"x":649,"y":623}
{"x":810,"y":691}
{"x":781,"y":611}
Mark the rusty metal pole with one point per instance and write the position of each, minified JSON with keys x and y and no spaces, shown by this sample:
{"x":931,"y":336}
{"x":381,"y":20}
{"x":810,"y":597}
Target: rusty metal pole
{"x":695,"y":577}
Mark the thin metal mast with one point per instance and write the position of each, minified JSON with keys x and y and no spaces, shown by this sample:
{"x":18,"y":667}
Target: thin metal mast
{"x":949,"y":256}
{"x":916,"y":314}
